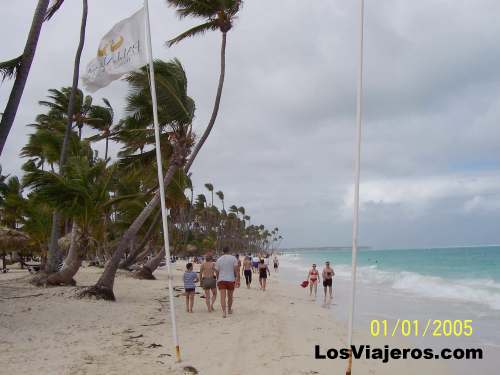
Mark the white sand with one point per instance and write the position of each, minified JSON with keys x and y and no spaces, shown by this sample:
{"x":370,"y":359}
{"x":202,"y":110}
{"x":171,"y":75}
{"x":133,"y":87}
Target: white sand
{"x":272,"y":332}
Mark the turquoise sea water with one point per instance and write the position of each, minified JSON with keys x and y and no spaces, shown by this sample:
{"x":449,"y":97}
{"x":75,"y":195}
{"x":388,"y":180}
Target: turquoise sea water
{"x":467,"y":274}
{"x":433,"y":283}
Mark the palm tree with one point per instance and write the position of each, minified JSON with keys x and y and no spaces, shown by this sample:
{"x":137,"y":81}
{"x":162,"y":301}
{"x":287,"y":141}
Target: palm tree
{"x":175,"y":112}
{"x":59,"y":102}
{"x":220,"y":194}
{"x":81,"y":193}
{"x":54,"y":255}
{"x":20,"y":67}
{"x":101,"y":118}
{"x":218,"y":15}
{"x":210,"y":188}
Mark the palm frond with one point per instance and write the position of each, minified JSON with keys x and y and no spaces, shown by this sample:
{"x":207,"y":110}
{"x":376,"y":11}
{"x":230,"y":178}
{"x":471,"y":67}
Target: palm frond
{"x":194,"y":31}
{"x":9,"y":69}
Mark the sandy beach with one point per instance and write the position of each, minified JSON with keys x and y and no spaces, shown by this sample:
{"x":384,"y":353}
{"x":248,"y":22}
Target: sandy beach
{"x":273,"y":332}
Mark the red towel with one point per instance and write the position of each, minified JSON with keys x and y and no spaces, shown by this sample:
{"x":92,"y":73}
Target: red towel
{"x":304,"y":284}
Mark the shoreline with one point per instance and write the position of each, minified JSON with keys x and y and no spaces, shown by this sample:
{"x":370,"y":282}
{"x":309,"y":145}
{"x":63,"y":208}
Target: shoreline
{"x":272,"y":332}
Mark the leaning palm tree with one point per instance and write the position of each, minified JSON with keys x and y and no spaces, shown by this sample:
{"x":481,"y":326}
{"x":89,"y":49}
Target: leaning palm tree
{"x":218,"y":15}
{"x":81,"y":193}
{"x":54,"y":255}
{"x":210,"y":188}
{"x":220,"y":194}
{"x":20,"y":68}
{"x":175,"y":112}
{"x":101,"y":119}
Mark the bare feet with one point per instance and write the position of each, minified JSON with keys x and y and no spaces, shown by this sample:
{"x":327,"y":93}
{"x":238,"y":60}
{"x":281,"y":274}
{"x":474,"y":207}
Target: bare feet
{"x":230,"y":312}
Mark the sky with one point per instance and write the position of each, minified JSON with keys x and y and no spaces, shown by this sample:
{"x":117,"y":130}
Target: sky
{"x":283,"y":144}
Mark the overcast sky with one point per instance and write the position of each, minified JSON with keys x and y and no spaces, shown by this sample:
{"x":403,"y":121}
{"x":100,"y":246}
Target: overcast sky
{"x":283,"y":143}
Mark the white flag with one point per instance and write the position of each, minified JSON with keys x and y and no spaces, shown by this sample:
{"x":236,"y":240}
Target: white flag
{"x":121,"y":50}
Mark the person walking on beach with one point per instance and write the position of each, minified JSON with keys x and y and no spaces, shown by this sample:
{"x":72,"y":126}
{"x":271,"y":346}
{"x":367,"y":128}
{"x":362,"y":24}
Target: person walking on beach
{"x":247,"y":270}
{"x":275,"y":263}
{"x":237,"y":256}
{"x":226,"y":269}
{"x":313,"y":277}
{"x":190,"y":280}
{"x":328,"y":274}
{"x":263,"y":273}
{"x":208,"y":281}
{"x":255,"y":263}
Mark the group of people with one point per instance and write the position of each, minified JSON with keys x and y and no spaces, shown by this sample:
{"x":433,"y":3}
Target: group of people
{"x":314,"y":278}
{"x":224,"y":274}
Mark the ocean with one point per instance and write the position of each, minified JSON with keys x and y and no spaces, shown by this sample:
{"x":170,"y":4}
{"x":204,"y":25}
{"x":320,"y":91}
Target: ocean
{"x":454,"y":283}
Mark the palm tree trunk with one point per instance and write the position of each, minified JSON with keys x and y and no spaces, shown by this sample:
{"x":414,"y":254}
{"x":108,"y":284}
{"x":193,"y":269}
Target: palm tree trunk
{"x":107,"y":147}
{"x":104,"y":286}
{"x":22,"y":75}
{"x":54,"y":254}
{"x":215,"y":110}
{"x":131,"y":259}
{"x":146,"y":271}
{"x":71,"y":264}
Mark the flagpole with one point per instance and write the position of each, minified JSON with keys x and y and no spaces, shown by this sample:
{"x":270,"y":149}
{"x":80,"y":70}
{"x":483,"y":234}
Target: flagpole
{"x":355,"y":224}
{"x":160,"y":182}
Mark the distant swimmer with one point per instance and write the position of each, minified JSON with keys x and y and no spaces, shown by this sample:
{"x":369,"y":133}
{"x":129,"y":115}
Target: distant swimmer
{"x":328,"y":274}
{"x":313,"y":277}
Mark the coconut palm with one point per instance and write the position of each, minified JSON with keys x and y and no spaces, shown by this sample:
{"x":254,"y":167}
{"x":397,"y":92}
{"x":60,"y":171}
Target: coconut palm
{"x":58,"y":105}
{"x":220,"y":194}
{"x":20,"y":68}
{"x":82,"y":193}
{"x":218,"y":15}
{"x":210,"y":188}
{"x":101,"y":118}
{"x":54,"y":255}
{"x":175,"y":112}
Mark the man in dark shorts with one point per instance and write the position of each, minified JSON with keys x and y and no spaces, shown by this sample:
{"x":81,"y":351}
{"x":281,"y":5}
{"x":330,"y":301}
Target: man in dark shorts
{"x":327,"y":281}
{"x":227,"y":271}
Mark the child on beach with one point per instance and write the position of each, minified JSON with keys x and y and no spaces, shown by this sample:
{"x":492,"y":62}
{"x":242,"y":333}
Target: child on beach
{"x":190,"y":280}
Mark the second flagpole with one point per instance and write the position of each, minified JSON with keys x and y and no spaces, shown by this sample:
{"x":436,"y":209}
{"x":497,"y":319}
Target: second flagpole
{"x":160,"y":181}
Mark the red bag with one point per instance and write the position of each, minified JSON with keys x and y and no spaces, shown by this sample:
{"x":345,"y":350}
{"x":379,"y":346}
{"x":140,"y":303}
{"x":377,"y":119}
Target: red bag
{"x":304,"y":284}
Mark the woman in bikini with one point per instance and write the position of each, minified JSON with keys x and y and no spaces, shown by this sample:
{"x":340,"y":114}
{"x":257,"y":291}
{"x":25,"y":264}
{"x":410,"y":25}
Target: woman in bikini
{"x":208,"y":281}
{"x":313,"y":277}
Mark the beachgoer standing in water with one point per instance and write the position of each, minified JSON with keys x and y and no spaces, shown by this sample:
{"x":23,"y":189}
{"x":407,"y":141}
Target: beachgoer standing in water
{"x":190,"y":280}
{"x":226,"y":269}
{"x":276,"y":263}
{"x":247,"y":270}
{"x":208,"y":281}
{"x":328,"y":274}
{"x":263,"y":272}
{"x":313,"y":277}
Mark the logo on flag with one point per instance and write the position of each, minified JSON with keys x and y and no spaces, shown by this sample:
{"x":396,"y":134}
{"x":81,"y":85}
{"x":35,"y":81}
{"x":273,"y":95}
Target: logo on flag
{"x":120,"y":51}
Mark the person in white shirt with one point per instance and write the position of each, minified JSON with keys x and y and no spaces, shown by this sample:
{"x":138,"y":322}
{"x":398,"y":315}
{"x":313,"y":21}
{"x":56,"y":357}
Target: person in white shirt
{"x":226,"y":269}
